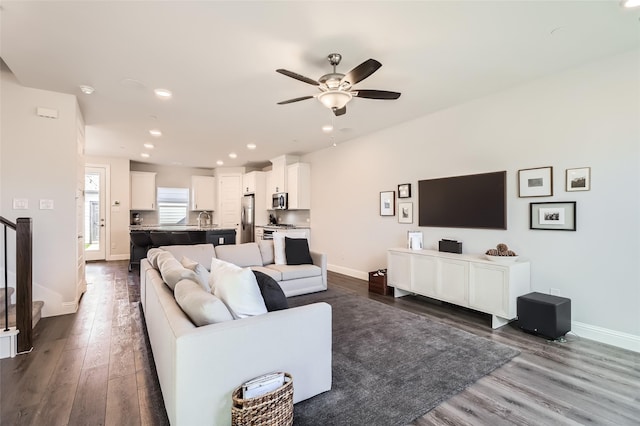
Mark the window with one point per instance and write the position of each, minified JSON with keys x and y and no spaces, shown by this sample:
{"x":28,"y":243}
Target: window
{"x":172,"y":206}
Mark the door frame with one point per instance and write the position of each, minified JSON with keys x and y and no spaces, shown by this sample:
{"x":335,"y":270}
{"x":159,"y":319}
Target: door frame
{"x":106,"y":198}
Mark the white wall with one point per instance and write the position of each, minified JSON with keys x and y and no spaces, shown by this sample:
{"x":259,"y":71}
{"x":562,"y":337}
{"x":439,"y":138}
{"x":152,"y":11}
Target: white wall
{"x":39,"y":162}
{"x":117,"y":215}
{"x":584,"y":117}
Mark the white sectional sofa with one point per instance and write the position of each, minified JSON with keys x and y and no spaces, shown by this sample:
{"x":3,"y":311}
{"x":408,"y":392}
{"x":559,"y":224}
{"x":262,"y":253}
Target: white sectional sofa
{"x":199,"y":367}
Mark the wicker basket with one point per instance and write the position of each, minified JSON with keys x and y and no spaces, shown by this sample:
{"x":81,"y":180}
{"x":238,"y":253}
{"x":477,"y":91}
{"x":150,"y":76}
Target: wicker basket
{"x":271,"y":409}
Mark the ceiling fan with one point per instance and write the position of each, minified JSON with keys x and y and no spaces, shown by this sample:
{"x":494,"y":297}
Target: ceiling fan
{"x":336,"y":89}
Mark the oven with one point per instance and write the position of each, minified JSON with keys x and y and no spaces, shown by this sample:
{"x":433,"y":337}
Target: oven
{"x":267,"y":234}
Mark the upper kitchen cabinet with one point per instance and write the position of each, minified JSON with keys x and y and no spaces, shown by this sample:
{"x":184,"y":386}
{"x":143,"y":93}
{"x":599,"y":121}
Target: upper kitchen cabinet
{"x":203,"y":193}
{"x":299,"y":186}
{"x":143,"y":191}
{"x":252,"y":182}
{"x":277,"y":181}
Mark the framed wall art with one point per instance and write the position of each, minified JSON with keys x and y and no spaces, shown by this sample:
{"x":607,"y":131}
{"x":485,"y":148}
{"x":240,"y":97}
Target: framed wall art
{"x":579,"y":179}
{"x":404,"y":190}
{"x":535,"y":182}
{"x":559,"y":216}
{"x":388,"y":203}
{"x":405,"y":212}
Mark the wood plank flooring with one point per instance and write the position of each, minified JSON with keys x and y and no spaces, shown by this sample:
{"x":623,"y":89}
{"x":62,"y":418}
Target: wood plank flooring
{"x":95,"y":367}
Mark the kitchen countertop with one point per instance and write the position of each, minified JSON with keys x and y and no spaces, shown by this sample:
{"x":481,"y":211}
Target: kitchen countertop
{"x":178,"y":228}
{"x":284,"y":227}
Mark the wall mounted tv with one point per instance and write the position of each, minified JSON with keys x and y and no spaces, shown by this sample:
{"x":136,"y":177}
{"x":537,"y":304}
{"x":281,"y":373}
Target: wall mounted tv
{"x":471,"y":201}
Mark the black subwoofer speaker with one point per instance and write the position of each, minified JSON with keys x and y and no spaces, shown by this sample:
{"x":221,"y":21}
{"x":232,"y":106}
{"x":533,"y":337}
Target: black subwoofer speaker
{"x":544,"y":314}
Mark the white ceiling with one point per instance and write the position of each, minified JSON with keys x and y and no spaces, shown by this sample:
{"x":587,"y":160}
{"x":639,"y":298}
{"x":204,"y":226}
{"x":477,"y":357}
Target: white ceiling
{"x":219,"y":60}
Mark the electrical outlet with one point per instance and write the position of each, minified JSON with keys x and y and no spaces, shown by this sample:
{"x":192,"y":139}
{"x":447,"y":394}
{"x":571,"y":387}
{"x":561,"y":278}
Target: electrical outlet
{"x":554,"y":292}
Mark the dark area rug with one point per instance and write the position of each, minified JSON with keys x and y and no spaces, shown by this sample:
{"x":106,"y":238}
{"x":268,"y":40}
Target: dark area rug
{"x":391,"y":366}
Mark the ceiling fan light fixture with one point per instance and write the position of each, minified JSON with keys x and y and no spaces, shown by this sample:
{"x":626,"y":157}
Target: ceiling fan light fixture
{"x":334,"y":98}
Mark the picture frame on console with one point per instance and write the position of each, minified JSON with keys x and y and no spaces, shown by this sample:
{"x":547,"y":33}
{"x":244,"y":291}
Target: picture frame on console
{"x":536,"y":182}
{"x":578,"y":179}
{"x":387,"y":203}
{"x":405,"y":212}
{"x":554,"y":216}
{"x":404,"y":190}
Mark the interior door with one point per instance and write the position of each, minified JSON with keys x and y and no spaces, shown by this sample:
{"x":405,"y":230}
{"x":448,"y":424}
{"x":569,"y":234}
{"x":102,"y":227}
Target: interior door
{"x":94,"y":213}
{"x":230,"y":199}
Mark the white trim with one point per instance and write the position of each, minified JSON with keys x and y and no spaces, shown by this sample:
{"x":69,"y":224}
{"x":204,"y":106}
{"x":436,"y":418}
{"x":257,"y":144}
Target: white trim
{"x":118,"y":257}
{"x":603,"y":335}
{"x":68,"y":307}
{"x":348,"y":271}
{"x":8,"y":343}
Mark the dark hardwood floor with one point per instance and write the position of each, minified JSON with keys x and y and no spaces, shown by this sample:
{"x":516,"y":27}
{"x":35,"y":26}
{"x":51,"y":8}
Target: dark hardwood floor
{"x":95,"y":367}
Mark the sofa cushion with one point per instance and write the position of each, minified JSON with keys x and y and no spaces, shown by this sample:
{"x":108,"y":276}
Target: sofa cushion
{"x":238,"y":289}
{"x":266,"y":250}
{"x":243,"y":255}
{"x":280,"y":258}
{"x":172,"y":271}
{"x":201,"y":307}
{"x":201,"y":272}
{"x":297,"y":251}
{"x":276,"y":275}
{"x":292,"y":272}
{"x":272,"y":294}
{"x":201,"y":253}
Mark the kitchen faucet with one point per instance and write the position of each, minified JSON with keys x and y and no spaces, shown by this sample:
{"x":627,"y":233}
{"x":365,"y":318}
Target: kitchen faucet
{"x":204,"y":218}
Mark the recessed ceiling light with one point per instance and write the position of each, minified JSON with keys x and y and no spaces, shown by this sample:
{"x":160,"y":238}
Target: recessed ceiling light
{"x":155,"y":132}
{"x":87,"y":90}
{"x":163,"y":93}
{"x":251,"y":146}
{"x":149,"y":145}
{"x":631,"y":3}
{"x":327,"y":128}
{"x":145,"y":155}
{"x":334,"y":144}
{"x":233,"y":155}
{"x":220,"y":162}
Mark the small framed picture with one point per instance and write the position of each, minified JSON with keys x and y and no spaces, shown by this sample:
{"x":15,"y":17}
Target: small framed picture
{"x":579,"y":179}
{"x":559,"y":216}
{"x":388,"y":203}
{"x":405,"y":212}
{"x":404,"y":190}
{"x":535,"y":182}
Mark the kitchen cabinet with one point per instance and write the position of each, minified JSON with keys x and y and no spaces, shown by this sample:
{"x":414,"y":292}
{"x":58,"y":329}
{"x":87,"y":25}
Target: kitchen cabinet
{"x":464,"y":280}
{"x":278,"y":176}
{"x":203,"y":193}
{"x":299,"y":186}
{"x":251,"y":181}
{"x":143,"y":191}
{"x":258,"y":233}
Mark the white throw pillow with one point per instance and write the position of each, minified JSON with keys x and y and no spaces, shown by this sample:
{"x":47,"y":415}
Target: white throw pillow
{"x":278,"y":245}
{"x":201,"y":272}
{"x":201,"y":307}
{"x":217,"y":266}
{"x":239,"y":290}
{"x":266,"y":251}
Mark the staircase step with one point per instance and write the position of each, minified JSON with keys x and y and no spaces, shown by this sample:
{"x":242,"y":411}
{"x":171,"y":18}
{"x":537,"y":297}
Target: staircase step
{"x":10,"y":291}
{"x":36,"y":312}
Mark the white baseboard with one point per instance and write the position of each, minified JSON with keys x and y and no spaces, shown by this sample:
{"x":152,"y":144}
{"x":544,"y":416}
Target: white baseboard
{"x":118,"y":257}
{"x":348,"y":271}
{"x":604,"y":335}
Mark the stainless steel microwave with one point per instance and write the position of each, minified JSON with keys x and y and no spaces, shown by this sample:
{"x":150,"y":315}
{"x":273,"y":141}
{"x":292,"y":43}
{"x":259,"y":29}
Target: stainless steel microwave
{"x":279,"y":201}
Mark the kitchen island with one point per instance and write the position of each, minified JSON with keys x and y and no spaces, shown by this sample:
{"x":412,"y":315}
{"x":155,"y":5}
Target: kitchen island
{"x":144,"y":237}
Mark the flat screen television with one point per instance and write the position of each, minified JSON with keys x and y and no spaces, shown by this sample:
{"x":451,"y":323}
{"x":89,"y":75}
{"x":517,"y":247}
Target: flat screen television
{"x":471,"y":201}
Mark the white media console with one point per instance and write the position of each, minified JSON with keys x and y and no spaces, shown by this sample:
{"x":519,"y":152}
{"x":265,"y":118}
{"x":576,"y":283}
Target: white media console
{"x":465,"y":280}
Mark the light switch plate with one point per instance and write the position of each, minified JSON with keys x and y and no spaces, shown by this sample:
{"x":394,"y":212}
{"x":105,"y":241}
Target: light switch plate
{"x":20,"y":204}
{"x":46,"y":204}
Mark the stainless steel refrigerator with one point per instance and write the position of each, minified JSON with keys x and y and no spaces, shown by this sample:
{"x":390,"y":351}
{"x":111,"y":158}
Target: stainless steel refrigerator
{"x":247,"y":219}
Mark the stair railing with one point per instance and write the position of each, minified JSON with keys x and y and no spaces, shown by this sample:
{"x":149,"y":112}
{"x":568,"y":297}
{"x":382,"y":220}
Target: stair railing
{"x":24,"y":280}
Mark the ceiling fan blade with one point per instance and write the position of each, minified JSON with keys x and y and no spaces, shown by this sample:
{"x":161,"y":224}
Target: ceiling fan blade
{"x":298,"y":77}
{"x":294,"y":100}
{"x":375,"y":94}
{"x":340,"y":111}
{"x":362,"y":71}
